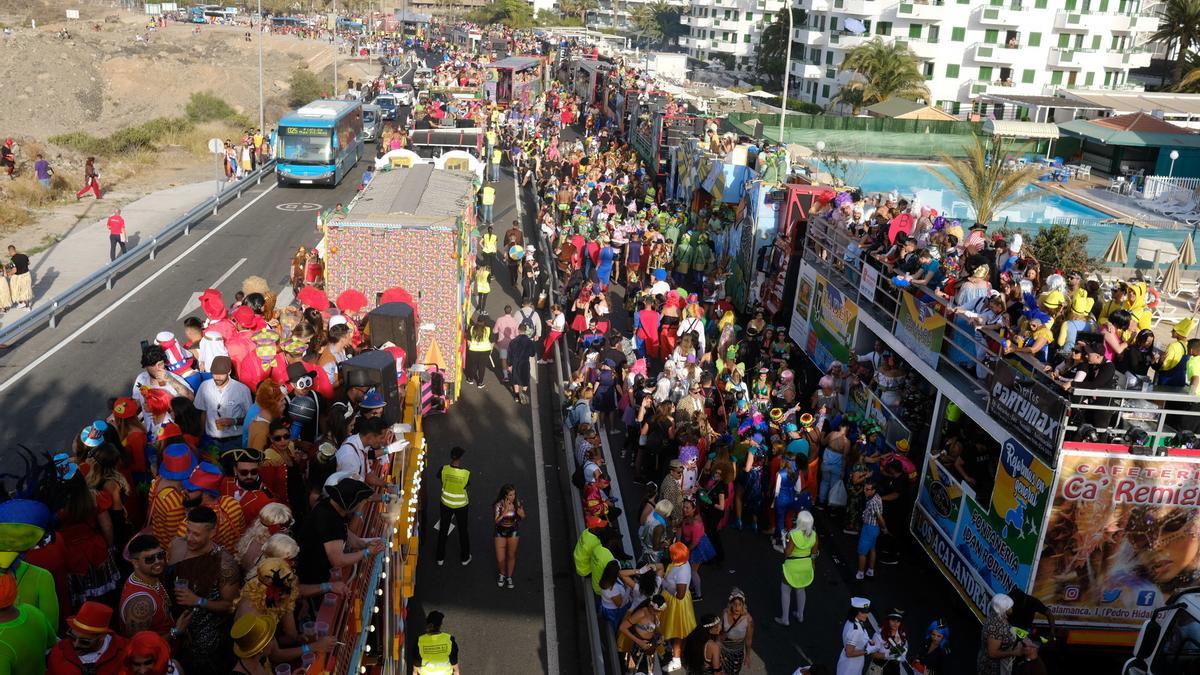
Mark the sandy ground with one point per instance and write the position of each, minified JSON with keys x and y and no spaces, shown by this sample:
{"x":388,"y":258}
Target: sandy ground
{"x":122,"y":75}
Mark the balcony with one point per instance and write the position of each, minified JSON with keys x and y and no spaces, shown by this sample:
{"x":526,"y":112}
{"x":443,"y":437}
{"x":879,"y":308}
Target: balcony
{"x":999,"y":54}
{"x":696,"y":21}
{"x":1135,"y":23}
{"x":1070,"y":58}
{"x":847,"y":40}
{"x":1124,"y":59}
{"x":922,"y":49}
{"x":815,"y":5}
{"x":734,"y":48}
{"x":922,"y":11}
{"x":807,"y":71}
{"x":810,"y":37}
{"x":695,"y":43}
{"x":1000,"y":16}
{"x":857,"y":7}
{"x":1072,"y":22}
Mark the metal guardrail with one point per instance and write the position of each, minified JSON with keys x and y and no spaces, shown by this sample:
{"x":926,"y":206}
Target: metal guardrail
{"x":48,"y":311}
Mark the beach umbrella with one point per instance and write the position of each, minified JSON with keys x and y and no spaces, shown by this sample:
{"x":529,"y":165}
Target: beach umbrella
{"x":1187,"y":252}
{"x":854,"y":26}
{"x":1116,"y":253}
{"x":1170,"y":280}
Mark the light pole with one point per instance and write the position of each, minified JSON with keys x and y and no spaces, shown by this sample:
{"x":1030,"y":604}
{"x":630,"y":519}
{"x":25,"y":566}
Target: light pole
{"x":787,"y":72}
{"x":334,"y":43}
{"x":1174,"y":156}
{"x":261,"y":110}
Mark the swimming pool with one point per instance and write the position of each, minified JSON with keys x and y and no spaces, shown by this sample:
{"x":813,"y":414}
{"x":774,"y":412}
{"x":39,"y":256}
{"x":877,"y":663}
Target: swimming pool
{"x":918,"y":179}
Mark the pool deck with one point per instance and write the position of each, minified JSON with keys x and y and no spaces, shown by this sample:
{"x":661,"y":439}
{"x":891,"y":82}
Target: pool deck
{"x":1094,"y":193}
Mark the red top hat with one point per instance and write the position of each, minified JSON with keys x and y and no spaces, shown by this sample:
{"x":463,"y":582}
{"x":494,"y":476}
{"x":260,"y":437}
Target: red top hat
{"x":93,"y":618}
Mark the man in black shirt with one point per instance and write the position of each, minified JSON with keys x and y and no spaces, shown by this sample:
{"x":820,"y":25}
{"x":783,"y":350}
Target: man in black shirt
{"x":20,"y":281}
{"x":1025,"y":608}
{"x":324,"y":537}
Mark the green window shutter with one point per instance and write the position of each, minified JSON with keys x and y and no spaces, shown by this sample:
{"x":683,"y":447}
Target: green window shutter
{"x":1056,"y":77}
{"x":985,"y":73}
{"x":1035,"y":39}
{"x":1027,"y":76}
{"x":829,"y":58}
{"x":1095,"y":42}
{"x":914,"y":30}
{"x":1115,"y":44}
{"x":991,"y":36}
{"x":749,"y":16}
{"x":951,"y":70}
{"x":746,"y":38}
{"x":824,"y":92}
{"x":1064,"y":40}
{"x":932,"y":36}
{"x":1071,"y":5}
{"x":1039,"y":4}
{"x":833,"y":23}
{"x":1103,"y":5}
{"x":1089,"y":79}
{"x":1107,"y":77}
{"x":958,"y":34}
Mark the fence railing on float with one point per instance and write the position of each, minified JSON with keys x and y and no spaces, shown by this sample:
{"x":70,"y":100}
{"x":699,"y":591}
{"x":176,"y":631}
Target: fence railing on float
{"x":47,"y":311}
{"x":1013,"y":390}
{"x":370,"y":619}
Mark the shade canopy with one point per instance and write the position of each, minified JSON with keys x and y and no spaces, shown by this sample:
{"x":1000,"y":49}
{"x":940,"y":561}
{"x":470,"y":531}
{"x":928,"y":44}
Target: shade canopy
{"x":1017,"y":129}
{"x":1116,"y":252}
{"x":1170,"y":280}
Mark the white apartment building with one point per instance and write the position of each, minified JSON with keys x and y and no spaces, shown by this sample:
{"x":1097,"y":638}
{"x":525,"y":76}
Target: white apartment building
{"x":730,"y":27}
{"x":969,"y":47}
{"x":616,"y":14}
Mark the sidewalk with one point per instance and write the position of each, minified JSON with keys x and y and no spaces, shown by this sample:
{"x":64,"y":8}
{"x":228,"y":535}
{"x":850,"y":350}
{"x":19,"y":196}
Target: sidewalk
{"x":84,"y":248}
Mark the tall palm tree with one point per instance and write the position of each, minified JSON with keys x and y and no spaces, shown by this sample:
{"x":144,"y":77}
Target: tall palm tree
{"x":884,"y":70}
{"x":982,"y":182}
{"x":1179,"y":27}
{"x":578,"y":8}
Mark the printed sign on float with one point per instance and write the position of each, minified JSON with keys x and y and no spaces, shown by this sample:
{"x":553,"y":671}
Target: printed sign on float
{"x":832,"y":320}
{"x":1026,"y":407}
{"x":1121,"y":537}
{"x":920,"y":328}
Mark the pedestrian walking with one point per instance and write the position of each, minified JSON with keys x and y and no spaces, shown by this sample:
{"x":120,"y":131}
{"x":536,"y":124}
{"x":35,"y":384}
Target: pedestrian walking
{"x":41,"y":168}
{"x":507,"y":512}
{"x":520,"y":351}
{"x":116,"y":234}
{"x":20,"y":281}
{"x":437,"y":651}
{"x":8,"y":159}
{"x":487,"y":198}
{"x":798,"y":556}
{"x":453,"y":507}
{"x":479,"y":352}
{"x":483,"y":286}
{"x":497,"y":156}
{"x":91,"y":180}
{"x":872,"y":526}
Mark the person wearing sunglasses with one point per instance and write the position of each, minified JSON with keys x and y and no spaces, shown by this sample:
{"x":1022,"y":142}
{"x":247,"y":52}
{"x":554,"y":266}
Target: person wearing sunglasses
{"x":246,"y":482}
{"x":145,"y":603}
{"x":88,"y":646}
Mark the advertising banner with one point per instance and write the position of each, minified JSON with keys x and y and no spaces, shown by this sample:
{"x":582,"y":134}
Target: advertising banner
{"x":867,"y":281}
{"x":806,"y":281}
{"x":942,"y":551}
{"x":1027,"y":407}
{"x":941,"y":497}
{"x":1123,"y":535}
{"x":832,"y":320}
{"x":920,"y":328}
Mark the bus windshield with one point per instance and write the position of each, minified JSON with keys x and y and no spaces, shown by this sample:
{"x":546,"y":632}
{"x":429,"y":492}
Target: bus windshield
{"x":305,"y":145}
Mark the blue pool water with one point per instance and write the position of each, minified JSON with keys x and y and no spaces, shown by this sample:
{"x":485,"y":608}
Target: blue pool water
{"x":910,"y":179}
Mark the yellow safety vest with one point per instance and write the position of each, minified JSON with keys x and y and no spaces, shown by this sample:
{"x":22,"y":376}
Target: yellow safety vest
{"x":482,"y":345}
{"x":435,"y":653}
{"x":497,"y":155}
{"x":491,"y":138}
{"x":482,"y":285}
{"x":489,"y":196}
{"x":454,"y":487}
{"x":489,"y":243}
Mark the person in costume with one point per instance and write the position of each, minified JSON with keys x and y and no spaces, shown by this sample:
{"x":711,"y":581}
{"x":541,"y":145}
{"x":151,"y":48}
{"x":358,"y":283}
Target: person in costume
{"x":678,"y":618}
{"x":89,"y":647}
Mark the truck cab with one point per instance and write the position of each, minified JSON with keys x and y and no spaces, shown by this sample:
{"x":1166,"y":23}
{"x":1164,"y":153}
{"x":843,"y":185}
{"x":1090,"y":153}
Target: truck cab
{"x":1169,"y":641}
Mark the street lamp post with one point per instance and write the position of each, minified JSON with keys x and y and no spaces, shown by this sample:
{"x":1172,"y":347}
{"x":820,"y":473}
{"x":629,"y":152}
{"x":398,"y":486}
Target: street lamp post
{"x":1174,"y":156}
{"x":261,"y":110}
{"x":787,"y":72}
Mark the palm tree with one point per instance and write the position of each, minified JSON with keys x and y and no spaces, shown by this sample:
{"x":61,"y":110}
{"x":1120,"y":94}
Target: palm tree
{"x":982,"y":182}
{"x":1179,"y":27}
{"x":1190,"y":84}
{"x":884,"y":70}
{"x":772,"y":45}
{"x":657,"y":21}
{"x":578,"y":7}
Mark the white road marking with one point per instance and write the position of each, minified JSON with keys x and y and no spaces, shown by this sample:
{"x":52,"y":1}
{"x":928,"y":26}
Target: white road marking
{"x":539,"y":463}
{"x":193,"y":302}
{"x":120,"y":301}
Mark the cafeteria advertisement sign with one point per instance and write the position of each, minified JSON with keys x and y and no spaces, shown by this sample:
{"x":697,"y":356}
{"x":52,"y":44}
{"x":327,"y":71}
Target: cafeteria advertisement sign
{"x":1000,"y":540}
{"x":798,"y":330}
{"x":1026,"y":406}
{"x":832,"y":320}
{"x":1123,"y":535}
{"x":921,"y":328}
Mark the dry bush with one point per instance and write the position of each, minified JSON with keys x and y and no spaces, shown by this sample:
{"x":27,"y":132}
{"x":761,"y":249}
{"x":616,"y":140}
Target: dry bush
{"x":13,"y":216}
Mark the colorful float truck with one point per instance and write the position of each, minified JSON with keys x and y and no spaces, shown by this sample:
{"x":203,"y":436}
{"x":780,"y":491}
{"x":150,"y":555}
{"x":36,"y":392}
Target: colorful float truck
{"x":514,"y":79}
{"x":1089,"y":501}
{"x":413,"y":229}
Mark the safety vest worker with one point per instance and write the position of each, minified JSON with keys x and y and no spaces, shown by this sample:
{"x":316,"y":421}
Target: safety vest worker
{"x":497,"y":155}
{"x":454,"y":485}
{"x":483,"y":283}
{"x":487,"y":243}
{"x":489,"y":196}
{"x":437,"y":652}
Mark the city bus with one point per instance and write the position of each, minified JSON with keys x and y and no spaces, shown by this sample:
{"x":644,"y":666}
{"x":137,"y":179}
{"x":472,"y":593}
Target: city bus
{"x":319,"y":143}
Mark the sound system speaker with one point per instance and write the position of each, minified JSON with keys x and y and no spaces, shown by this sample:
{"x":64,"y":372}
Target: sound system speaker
{"x":393,"y":322}
{"x":377,"y":369}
